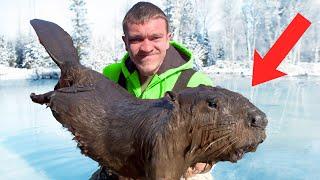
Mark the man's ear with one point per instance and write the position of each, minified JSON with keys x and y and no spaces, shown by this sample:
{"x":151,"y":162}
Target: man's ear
{"x":124,"y":41}
{"x":169,"y":38}
{"x":171,"y":95}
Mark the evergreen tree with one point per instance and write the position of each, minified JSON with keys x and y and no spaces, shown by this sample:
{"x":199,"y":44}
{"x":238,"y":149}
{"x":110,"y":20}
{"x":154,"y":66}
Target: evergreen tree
{"x":7,"y":54}
{"x":101,"y":56}
{"x":19,"y":49}
{"x":169,"y":11}
{"x":208,"y":56}
{"x":192,"y":34}
{"x":220,"y":53}
{"x":186,"y":27}
{"x":3,"y":55}
{"x":19,"y":53}
{"x":188,"y":22}
{"x":35,"y":55}
{"x":242,"y":27}
{"x":173,"y":10}
{"x":81,"y":32}
{"x":11,"y":54}
{"x":202,"y":31}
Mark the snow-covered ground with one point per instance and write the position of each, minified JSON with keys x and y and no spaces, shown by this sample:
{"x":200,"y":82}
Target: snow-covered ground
{"x":245,"y":68}
{"x":9,"y":73}
{"x":221,"y":67}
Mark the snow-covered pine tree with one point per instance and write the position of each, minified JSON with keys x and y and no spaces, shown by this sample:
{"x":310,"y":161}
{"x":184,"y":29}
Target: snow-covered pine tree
{"x":100,"y":55}
{"x":20,"y":43}
{"x":188,"y":22}
{"x":191,"y":33}
{"x":7,"y":53}
{"x":185,"y":28}
{"x":169,"y":11}
{"x":3,"y":54}
{"x":220,"y":53}
{"x":201,"y":26}
{"x":209,"y":55}
{"x":12,"y":54}
{"x":35,"y":55}
{"x":173,"y":10}
{"x":81,"y":31}
{"x":29,"y":55}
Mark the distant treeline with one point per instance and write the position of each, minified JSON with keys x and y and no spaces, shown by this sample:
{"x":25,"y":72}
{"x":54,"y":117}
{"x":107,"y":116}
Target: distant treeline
{"x":213,"y":30}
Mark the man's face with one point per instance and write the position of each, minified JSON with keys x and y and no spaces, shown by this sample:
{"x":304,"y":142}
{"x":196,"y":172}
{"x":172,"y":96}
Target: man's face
{"x":147,"y":44}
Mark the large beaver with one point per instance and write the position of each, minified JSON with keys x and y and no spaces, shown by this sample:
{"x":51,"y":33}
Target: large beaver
{"x":148,"y":139}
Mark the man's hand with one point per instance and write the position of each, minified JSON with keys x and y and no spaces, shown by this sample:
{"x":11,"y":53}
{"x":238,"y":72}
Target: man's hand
{"x":197,"y":169}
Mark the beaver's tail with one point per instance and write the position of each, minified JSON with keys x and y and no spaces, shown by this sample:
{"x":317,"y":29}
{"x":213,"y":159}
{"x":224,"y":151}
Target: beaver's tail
{"x":57,"y":43}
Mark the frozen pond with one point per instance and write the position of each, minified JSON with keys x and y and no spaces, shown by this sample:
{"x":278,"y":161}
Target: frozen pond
{"x":292,"y":148}
{"x":34,"y":146}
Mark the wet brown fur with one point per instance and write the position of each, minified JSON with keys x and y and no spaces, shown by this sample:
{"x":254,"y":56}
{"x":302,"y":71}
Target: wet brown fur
{"x":148,"y":139}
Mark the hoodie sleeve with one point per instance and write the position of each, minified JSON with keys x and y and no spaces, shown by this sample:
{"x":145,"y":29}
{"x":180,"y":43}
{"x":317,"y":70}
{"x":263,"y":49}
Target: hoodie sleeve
{"x":199,"y":78}
{"x":112,"y":71}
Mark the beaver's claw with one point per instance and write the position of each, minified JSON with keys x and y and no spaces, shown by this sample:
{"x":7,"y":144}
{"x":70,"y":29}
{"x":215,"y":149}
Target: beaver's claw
{"x":41,"y":98}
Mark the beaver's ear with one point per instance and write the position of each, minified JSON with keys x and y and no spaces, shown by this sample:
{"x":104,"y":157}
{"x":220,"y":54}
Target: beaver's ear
{"x":171,"y":95}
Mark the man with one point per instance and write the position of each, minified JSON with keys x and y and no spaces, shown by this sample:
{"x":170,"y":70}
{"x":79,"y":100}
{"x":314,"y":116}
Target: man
{"x":154,"y":64}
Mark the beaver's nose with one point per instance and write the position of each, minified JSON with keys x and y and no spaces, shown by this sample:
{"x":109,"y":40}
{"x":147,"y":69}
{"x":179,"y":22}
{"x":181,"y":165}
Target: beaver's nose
{"x":257,"y":120}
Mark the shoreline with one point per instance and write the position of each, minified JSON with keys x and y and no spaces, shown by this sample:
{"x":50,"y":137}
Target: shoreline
{"x":221,"y":68}
{"x":10,"y":73}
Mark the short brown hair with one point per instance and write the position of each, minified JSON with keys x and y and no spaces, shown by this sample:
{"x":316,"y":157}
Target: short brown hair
{"x":142,"y":12}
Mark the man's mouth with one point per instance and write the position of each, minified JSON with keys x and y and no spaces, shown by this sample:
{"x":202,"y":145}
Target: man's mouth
{"x":146,"y":55}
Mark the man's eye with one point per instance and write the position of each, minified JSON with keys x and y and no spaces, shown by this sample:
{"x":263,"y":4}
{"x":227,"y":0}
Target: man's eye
{"x":155,"y":38}
{"x":135,"y":40}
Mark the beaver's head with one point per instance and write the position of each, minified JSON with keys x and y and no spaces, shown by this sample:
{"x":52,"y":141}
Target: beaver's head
{"x":224,"y":124}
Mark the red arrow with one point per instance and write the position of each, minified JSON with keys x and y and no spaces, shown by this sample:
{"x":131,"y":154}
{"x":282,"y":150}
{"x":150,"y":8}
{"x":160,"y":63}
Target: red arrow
{"x":265,"y":69}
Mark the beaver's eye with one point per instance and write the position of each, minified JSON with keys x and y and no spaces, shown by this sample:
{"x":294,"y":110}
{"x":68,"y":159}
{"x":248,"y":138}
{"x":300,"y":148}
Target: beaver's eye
{"x":212,"y":104}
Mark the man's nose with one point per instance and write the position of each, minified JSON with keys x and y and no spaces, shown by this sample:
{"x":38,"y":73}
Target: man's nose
{"x":146,"y":46}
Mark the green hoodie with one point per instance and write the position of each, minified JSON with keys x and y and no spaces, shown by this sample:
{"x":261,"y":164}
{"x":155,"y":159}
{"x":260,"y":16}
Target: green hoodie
{"x":166,"y":77}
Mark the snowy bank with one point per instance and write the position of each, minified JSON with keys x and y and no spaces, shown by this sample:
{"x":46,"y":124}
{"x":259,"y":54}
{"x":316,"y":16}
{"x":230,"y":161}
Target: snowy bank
{"x":244,"y":68}
{"x":9,"y":73}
